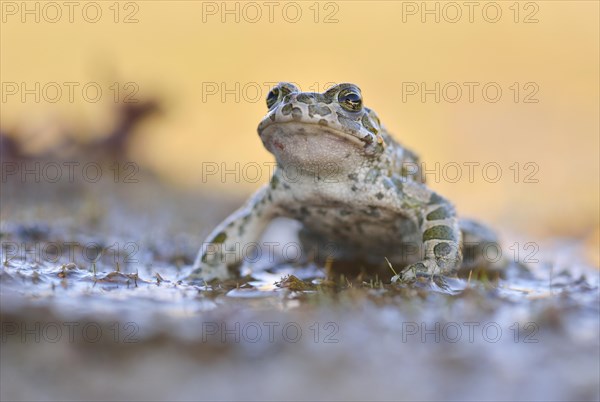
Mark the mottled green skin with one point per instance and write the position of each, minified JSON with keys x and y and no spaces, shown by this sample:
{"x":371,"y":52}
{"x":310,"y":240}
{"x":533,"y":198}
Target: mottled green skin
{"x":351,"y":187}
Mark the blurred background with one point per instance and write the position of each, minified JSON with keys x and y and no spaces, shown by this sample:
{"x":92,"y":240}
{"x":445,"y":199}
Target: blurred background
{"x":500,"y":100}
{"x":181,"y":86}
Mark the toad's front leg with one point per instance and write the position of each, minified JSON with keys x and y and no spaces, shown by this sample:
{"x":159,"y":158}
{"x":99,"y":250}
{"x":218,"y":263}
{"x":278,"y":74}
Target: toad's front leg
{"x":441,"y":239}
{"x":222,"y":252}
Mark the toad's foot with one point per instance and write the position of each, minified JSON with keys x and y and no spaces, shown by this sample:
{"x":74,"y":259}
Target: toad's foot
{"x":422,"y":269}
{"x":223,"y":252}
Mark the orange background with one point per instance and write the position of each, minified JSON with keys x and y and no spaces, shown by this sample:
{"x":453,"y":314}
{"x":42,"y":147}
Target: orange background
{"x":171,"y":54}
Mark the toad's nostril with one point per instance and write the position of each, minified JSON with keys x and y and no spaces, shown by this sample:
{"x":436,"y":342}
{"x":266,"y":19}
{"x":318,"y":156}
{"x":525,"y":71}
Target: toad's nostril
{"x":296,"y":113}
{"x":287,"y":109}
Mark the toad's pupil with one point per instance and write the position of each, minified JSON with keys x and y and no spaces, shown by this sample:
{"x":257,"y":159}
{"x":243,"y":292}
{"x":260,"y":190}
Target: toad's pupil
{"x":352,"y":98}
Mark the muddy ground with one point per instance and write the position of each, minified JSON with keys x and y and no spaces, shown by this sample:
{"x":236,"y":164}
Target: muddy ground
{"x":94,"y":307}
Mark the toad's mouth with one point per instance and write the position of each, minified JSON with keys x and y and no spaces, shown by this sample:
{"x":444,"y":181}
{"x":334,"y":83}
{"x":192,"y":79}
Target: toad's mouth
{"x":269,"y":129}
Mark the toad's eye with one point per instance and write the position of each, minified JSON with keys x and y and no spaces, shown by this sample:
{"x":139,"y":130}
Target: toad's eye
{"x":350,"y":100}
{"x":273,"y":97}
